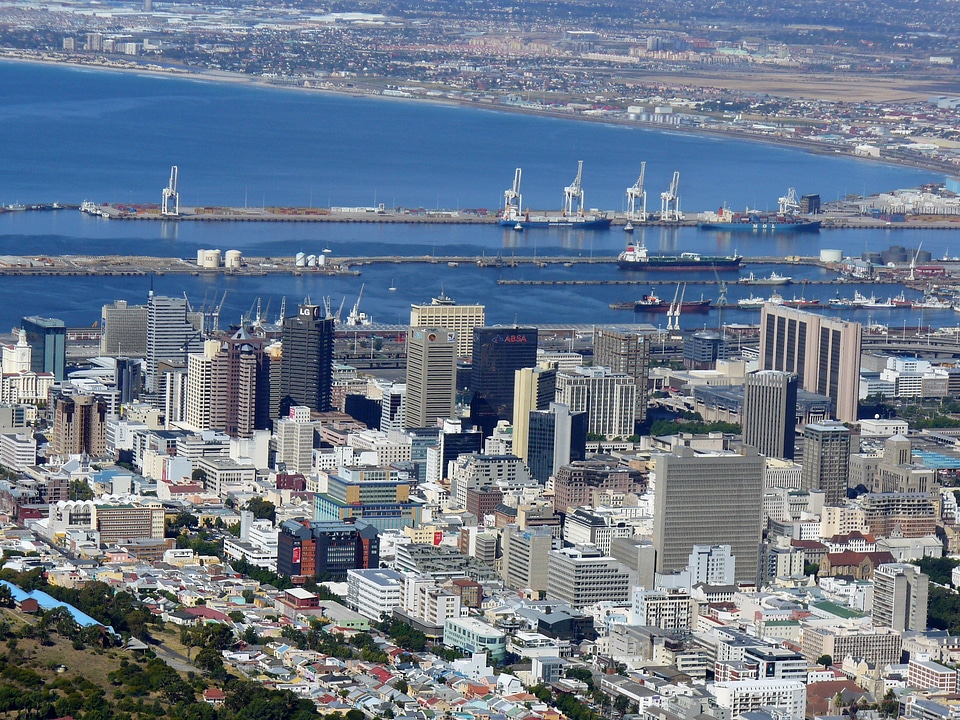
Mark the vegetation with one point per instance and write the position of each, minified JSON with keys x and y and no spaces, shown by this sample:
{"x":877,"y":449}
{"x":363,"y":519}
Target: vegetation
{"x":939,"y":569}
{"x":825,"y":660}
{"x":404,"y":635}
{"x":262,"y":509}
{"x":943,"y":610}
{"x":696,"y":427}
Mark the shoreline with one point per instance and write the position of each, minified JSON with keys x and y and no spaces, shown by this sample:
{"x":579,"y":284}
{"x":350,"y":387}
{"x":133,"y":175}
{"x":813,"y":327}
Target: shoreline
{"x":942,"y":168}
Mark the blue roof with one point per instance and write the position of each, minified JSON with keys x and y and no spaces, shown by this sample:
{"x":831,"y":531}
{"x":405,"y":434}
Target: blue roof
{"x":937,"y":461}
{"x":48,"y":602}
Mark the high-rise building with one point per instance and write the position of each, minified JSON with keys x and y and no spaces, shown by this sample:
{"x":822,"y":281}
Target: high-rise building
{"x":171,"y":335}
{"x":823,"y":352}
{"x":80,"y":426}
{"x":534,"y":389}
{"x":123,"y":329}
{"x":708,"y":499}
{"x":431,"y":376}
{"x":525,"y":554}
{"x":625,"y":351}
{"x":574,"y":484}
{"x":770,"y":412}
{"x":452,"y":442}
{"x":711,"y":565}
{"x":582,"y":576}
{"x":498,"y":353}
{"x":608,"y":398}
{"x":47,"y":337}
{"x":900,"y":597}
{"x":392,"y":406}
{"x":200,"y":386}
{"x":826,"y":460}
{"x":444,"y":313}
{"x":555,"y":437}
{"x":295,"y":440}
{"x":306,"y":373}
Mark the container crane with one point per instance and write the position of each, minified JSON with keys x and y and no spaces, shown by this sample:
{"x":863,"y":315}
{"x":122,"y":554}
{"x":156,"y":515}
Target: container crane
{"x":670,"y":201}
{"x":170,"y":193}
{"x":789,"y":203}
{"x":512,"y":199}
{"x":635,"y":195}
{"x":573,"y":194}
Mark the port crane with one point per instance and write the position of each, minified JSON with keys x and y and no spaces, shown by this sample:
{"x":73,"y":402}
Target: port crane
{"x":673,"y":314}
{"x":789,"y":203}
{"x":573,"y":194}
{"x":512,"y":199}
{"x":913,"y":262}
{"x":635,"y":195}
{"x":170,"y":205}
{"x":670,"y":201}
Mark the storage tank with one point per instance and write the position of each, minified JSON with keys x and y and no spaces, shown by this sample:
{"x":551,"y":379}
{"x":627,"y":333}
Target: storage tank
{"x":234,"y":259}
{"x":321,"y":260}
{"x":830,"y":255}
{"x":200,"y":255}
{"x":311,"y":260}
{"x":301,"y":259}
{"x":211,"y":259}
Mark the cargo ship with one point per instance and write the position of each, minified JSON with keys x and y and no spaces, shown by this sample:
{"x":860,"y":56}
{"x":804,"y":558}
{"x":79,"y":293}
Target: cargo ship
{"x":774,"y":278}
{"x":751,"y":221}
{"x":636,"y":257}
{"x":573,"y":214}
{"x":652,"y":303}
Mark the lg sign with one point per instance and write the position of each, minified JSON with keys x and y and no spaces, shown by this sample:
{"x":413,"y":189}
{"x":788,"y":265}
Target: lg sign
{"x":510,"y":339}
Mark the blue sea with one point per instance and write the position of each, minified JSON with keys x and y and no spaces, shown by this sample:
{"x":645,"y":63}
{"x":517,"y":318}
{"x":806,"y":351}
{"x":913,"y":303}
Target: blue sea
{"x":73,"y":134}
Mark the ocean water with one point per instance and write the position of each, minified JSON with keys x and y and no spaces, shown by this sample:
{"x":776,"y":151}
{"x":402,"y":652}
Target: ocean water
{"x":73,"y":134}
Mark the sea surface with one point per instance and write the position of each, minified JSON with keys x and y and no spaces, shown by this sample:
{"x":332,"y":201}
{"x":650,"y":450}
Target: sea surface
{"x":74,"y":134}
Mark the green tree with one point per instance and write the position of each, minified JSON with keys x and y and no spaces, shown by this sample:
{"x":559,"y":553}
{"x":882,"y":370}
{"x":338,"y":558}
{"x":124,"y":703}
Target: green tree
{"x":262,"y":509}
{"x":825,"y":660}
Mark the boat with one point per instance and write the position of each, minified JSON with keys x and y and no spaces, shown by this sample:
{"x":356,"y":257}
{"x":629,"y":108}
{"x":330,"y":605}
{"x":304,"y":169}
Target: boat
{"x":628,"y":227}
{"x":931,"y":303}
{"x":901,"y":301}
{"x":393,"y":286}
{"x":636,"y":257}
{"x":757,"y":302}
{"x":453,"y":263}
{"x":784,"y":220}
{"x":652,"y":303}
{"x":861,"y":301}
{"x":773,"y":279}
{"x":801,"y":302}
{"x":573,"y":214}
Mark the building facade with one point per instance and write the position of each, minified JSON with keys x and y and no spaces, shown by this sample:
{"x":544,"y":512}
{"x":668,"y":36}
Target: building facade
{"x":431,"y":376}
{"x":770,"y":412}
{"x":306,"y":371}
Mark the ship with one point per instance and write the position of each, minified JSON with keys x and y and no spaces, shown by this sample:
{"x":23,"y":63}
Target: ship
{"x":654,"y":304}
{"x":773,"y":279}
{"x":785,"y":220}
{"x":636,"y":257}
{"x":573,"y":214}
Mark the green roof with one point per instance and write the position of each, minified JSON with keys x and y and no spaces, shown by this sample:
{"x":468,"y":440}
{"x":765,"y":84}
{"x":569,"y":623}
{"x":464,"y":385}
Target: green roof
{"x":840,"y":611}
{"x":781,"y":623}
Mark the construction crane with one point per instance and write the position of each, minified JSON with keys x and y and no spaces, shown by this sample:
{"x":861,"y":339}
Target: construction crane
{"x":635,"y":194}
{"x":789,"y":203}
{"x":913,"y":262}
{"x":573,"y":194}
{"x":512,"y":199}
{"x":170,"y":193}
{"x":670,"y":201}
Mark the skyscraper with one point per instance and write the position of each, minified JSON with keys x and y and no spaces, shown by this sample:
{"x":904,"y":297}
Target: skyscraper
{"x":826,"y":460}
{"x":171,"y":334}
{"x":443,"y":312}
{"x":608,"y":398}
{"x":823,"y":352}
{"x":47,"y":337}
{"x":306,"y":372}
{"x":900,"y":597}
{"x":431,"y":376}
{"x":625,"y":351}
{"x":534,"y":389}
{"x":770,"y":412}
{"x":556,"y":437}
{"x":708,"y":499}
{"x":80,"y":426}
{"x":123,"y":329}
{"x":497,"y":354}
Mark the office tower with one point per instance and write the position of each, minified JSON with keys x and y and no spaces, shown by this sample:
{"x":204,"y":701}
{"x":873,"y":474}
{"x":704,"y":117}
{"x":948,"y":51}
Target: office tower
{"x":608,"y":398}
{"x":574,"y":484}
{"x":497,"y":354}
{"x":452,"y":442}
{"x":127,"y":379}
{"x":712,"y":565}
{"x":392,"y":406}
{"x":374,"y":494}
{"x":581,"y":576}
{"x":625,"y":351}
{"x":241,"y":386}
{"x":533,"y":389}
{"x":702,"y":350}
{"x":123,"y":329}
{"x":556,"y":437}
{"x":525,"y":553}
{"x":306,"y":373}
{"x":47,"y":337}
{"x":80,"y":426}
{"x":823,"y":352}
{"x":900,"y":597}
{"x":295,"y":440}
{"x":431,"y":376}
{"x":826,"y":460}
{"x":326,"y":549}
{"x":708,"y":499}
{"x":770,"y":412}
{"x":200,"y":386}
{"x":171,"y":334}
{"x":444,"y":313}
{"x":172,"y":391}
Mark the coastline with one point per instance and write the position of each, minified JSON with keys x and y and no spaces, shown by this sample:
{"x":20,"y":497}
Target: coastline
{"x":220,"y":76}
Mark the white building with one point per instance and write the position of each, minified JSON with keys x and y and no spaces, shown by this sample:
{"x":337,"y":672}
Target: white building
{"x":18,"y":451}
{"x":671,"y":610}
{"x":389,"y":449}
{"x":474,"y":472}
{"x":712,"y":565}
{"x":747,"y":695}
{"x":608,"y":398}
{"x":295,"y":440}
{"x":374,"y":592}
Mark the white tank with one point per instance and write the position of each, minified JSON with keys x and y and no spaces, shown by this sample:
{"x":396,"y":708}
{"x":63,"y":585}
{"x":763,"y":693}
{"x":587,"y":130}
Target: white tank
{"x":831,"y":256}
{"x":211,"y":259}
{"x":321,"y":260}
{"x":301,"y":259}
{"x":311,"y":260}
{"x":200,"y":255}
{"x":233,"y":259}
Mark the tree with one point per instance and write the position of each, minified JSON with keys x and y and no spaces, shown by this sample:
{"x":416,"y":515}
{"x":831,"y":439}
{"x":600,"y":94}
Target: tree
{"x":262,"y":509}
{"x":199,"y":476}
{"x":401,"y":686}
{"x":825,"y":660}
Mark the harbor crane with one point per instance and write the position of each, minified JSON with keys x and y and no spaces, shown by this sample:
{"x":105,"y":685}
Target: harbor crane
{"x":673,"y":314}
{"x":788,"y":203}
{"x":170,"y":193}
{"x":670,"y":201}
{"x":512,"y":197}
{"x":573,"y":194}
{"x":637,"y":195}
{"x":913,"y":262}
